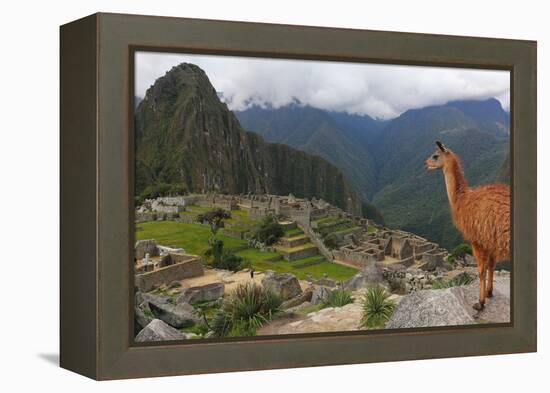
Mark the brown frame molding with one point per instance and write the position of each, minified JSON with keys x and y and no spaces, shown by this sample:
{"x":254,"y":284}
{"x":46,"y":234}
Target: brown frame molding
{"x":97,"y":185}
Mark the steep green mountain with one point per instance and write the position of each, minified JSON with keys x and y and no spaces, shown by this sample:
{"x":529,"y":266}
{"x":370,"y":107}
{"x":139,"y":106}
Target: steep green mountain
{"x":184,"y":135}
{"x":341,"y":139}
{"x":488,"y":114}
{"x":386,"y":163}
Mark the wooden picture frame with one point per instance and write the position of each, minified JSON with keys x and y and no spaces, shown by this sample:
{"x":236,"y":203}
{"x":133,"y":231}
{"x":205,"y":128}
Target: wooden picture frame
{"x":97,"y":185}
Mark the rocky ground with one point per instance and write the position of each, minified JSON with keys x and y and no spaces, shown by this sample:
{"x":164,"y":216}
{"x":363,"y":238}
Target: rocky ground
{"x":167,"y":313}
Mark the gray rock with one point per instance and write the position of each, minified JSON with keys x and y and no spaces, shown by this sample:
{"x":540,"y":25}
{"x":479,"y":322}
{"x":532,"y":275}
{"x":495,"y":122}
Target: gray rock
{"x":319,"y":294}
{"x":469,"y":261}
{"x":298,"y":308}
{"x":296,"y":301}
{"x":202,"y":293}
{"x":369,"y":276}
{"x":157,"y":330}
{"x":178,"y":316}
{"x":151,"y":299}
{"x":143,"y":247}
{"x":285,"y":285}
{"x":141,"y":320}
{"x":451,"y":307}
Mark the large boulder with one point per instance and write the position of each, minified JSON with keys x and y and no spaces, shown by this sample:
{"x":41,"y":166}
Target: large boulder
{"x":144,"y":299}
{"x":203,"y":293}
{"x":178,"y":316}
{"x":369,"y":276}
{"x":319,"y":295}
{"x":305,"y":296}
{"x":157,"y":330}
{"x":451,"y":307}
{"x":285,"y":285}
{"x":143,"y":247}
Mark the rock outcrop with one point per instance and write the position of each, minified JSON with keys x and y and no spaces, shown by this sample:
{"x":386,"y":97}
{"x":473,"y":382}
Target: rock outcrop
{"x":203,"y":293}
{"x":178,"y":316}
{"x":305,"y":296}
{"x":452,"y":307}
{"x":285,"y":285}
{"x":157,"y":330}
{"x":370,"y":275}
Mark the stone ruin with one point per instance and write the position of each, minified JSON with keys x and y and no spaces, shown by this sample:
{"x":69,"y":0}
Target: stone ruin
{"x":392,"y":246}
{"x":156,"y":265}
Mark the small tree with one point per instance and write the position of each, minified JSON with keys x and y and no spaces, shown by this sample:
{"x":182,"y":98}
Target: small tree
{"x":459,"y":251}
{"x":215,"y":219}
{"x":270,"y":231}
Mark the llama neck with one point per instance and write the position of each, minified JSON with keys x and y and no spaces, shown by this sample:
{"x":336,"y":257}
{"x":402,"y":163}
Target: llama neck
{"x":455,"y":182}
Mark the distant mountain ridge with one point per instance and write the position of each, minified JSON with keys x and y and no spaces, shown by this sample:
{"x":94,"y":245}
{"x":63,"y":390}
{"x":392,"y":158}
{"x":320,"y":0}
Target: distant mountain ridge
{"x":384,"y":160}
{"x":185,"y":135}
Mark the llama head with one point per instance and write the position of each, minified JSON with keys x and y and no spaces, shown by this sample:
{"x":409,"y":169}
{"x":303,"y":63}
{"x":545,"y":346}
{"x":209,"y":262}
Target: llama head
{"x":439,"y":158}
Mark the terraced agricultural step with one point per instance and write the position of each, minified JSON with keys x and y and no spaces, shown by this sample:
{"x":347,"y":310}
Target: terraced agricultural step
{"x":298,"y":252}
{"x":294,"y":241}
{"x":288,"y":225}
{"x":310,"y":261}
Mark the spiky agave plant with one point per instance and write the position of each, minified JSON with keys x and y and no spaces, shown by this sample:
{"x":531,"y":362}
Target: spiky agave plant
{"x":248,"y":308}
{"x":377,"y":307}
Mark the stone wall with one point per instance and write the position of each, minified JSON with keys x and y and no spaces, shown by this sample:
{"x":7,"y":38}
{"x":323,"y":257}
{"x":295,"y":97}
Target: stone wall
{"x":315,"y":239}
{"x":188,"y":267}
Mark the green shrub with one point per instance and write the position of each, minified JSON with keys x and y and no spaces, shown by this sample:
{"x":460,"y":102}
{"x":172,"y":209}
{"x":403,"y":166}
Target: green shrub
{"x":270,"y":231}
{"x":248,"y":307}
{"x":229,"y":262}
{"x":337,"y":298}
{"x":215,"y":218}
{"x":331,"y":241}
{"x":458,"y":280}
{"x":460,"y":250}
{"x":377,"y":307}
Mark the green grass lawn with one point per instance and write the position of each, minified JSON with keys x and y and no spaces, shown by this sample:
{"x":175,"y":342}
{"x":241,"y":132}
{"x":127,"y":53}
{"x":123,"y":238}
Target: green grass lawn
{"x":254,"y":255}
{"x":333,"y":270}
{"x":191,"y":237}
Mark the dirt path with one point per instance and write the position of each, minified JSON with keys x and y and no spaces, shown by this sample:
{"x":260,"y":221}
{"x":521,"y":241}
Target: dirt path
{"x":230,"y":279}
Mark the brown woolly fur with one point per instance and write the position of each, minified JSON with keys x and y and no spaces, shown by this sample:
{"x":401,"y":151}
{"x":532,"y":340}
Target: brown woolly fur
{"x":481,"y":214}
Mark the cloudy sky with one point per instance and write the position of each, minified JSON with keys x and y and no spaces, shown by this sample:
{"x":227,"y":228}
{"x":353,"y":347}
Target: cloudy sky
{"x":382,"y":91}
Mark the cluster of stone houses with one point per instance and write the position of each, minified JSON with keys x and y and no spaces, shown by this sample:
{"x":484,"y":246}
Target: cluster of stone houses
{"x":391,"y":246}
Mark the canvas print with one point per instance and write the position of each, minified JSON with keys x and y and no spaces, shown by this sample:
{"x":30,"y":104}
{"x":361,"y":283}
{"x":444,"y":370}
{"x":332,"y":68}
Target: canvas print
{"x":284,"y":197}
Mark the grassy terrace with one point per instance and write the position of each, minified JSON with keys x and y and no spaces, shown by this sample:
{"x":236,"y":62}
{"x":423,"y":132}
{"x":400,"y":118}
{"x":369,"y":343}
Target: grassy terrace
{"x":333,"y":270}
{"x":294,"y":232}
{"x":191,"y":237}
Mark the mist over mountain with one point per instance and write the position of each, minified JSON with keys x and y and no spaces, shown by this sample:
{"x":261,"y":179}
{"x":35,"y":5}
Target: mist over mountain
{"x":185,"y":136}
{"x":384,"y":160}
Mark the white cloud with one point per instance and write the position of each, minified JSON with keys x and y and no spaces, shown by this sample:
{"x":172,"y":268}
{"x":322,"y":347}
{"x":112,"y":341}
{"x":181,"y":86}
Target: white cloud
{"x":382,"y":91}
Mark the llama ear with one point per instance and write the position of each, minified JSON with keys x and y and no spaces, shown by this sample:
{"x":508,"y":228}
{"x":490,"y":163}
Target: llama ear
{"x":441,"y":146}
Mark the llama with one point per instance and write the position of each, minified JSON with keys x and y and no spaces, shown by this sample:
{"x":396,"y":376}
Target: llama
{"x":481,"y":214}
